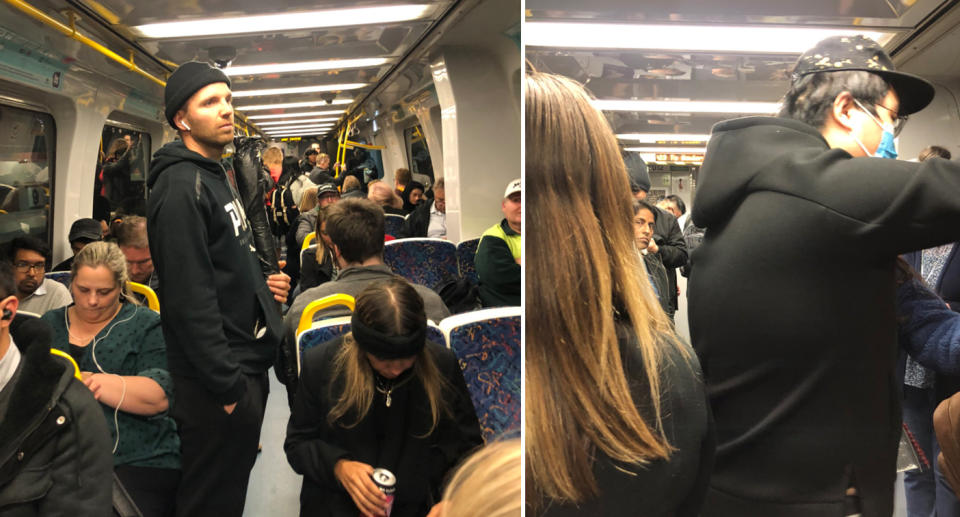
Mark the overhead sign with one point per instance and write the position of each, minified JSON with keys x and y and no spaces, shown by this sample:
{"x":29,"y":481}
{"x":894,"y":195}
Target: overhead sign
{"x":679,"y":158}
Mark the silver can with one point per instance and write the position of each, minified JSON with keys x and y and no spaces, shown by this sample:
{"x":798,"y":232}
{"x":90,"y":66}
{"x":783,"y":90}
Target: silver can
{"x":387,"y":483}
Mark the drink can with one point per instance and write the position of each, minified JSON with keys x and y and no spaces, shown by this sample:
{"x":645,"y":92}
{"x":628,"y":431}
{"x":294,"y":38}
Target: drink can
{"x":387,"y":483}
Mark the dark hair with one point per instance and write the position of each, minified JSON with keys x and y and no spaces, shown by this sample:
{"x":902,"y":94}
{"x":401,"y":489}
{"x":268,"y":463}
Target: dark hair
{"x":934,"y":151}
{"x":290,"y":169}
{"x":811,"y":97}
{"x":411,"y":186}
{"x":6,"y":279}
{"x":637,"y":205}
{"x":392,"y":307}
{"x":27,"y":242}
{"x":403,"y":176}
{"x":310,"y":152}
{"x":677,"y":201}
{"x":356,"y":226}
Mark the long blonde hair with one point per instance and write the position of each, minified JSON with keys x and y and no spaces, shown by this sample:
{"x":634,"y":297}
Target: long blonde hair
{"x":107,"y":254}
{"x":392,"y":307}
{"x":308,"y":200}
{"x":587,"y":274}
{"x":487,"y":484}
{"x":383,"y":195}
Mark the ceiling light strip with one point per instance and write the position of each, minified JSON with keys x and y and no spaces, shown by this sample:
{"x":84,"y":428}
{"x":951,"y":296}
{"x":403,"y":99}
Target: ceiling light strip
{"x":691,"y":38}
{"x":652,"y":138}
{"x":767,"y":108}
{"x":284,"y":105}
{"x":298,"y":89}
{"x":305,"y":66}
{"x":293,"y":115}
{"x":295,"y":128}
{"x":668,"y":150}
{"x":284,"y":22}
{"x":298,"y":121}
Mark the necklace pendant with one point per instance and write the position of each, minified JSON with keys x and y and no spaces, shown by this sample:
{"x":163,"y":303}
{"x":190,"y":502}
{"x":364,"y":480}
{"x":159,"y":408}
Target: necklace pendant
{"x":389,"y":400}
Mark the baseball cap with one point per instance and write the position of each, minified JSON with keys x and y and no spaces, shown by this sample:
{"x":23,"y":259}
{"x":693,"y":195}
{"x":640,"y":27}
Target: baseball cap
{"x":513,"y":186}
{"x":88,"y":229}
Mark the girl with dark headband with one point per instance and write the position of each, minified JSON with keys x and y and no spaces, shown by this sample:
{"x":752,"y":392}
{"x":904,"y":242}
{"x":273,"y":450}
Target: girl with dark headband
{"x":380,"y":397}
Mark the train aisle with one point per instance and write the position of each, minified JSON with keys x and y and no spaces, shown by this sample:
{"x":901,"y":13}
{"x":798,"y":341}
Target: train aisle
{"x":274,"y":488}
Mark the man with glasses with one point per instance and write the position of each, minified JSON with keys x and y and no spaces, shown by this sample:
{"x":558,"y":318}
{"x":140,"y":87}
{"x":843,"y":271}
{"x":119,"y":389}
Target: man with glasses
{"x":37,"y":293}
{"x":792,"y":307}
{"x":428,"y":219}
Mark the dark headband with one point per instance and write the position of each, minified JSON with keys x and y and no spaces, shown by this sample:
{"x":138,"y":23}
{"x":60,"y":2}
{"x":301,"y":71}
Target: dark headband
{"x":387,"y":347}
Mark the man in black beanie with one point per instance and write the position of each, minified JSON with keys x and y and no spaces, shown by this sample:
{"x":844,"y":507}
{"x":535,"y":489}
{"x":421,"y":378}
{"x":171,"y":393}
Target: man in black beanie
{"x":216,"y":305}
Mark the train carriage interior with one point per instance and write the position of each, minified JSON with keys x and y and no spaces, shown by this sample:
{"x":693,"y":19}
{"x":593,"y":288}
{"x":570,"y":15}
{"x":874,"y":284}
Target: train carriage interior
{"x":430,"y":86}
{"x":665,"y":72}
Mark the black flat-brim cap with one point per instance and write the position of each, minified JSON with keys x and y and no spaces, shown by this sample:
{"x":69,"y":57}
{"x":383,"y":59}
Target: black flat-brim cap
{"x":860,"y":53}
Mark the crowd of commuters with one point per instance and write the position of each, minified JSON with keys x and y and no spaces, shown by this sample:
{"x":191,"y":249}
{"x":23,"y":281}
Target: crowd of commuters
{"x":172,"y":402}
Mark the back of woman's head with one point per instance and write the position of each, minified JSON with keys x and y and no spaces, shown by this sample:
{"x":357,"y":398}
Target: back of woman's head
{"x":108,"y":255}
{"x":290,"y":169}
{"x":392,"y":307}
{"x":350,"y":183}
{"x":383,"y":195}
{"x":308,"y":200}
{"x":587,"y":275}
{"x":487,"y":484}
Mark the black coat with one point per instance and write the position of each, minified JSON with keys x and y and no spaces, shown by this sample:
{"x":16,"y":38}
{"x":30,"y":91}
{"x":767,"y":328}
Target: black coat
{"x":58,"y":427}
{"x":387,"y":437}
{"x":792,"y":312}
{"x":673,"y":488}
{"x":417,"y":222}
{"x":672,"y":251}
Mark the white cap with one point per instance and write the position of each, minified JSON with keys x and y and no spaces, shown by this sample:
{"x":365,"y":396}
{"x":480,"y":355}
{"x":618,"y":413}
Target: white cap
{"x":513,"y":186}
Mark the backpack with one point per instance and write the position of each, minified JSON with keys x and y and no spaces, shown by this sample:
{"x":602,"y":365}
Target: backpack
{"x":459,"y":294}
{"x":283,"y":210}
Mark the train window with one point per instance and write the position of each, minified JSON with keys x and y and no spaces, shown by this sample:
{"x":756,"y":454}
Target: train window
{"x":121,"y":173}
{"x":418,"y":155}
{"x":27,"y":143}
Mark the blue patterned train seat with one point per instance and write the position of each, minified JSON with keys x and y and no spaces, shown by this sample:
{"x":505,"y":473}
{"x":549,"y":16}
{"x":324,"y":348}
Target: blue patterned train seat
{"x":60,"y":276}
{"x":487,"y":344}
{"x":466,"y":259}
{"x":394,"y":223}
{"x":422,"y":261}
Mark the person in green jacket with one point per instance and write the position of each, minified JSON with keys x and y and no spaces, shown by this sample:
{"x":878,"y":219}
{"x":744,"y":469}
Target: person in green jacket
{"x":498,"y":254}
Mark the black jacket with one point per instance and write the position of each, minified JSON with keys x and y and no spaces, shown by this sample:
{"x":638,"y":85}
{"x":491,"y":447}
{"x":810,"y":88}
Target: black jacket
{"x":417,"y":222}
{"x":215,"y":298}
{"x":390,"y":438}
{"x":673,"y":488}
{"x":673,"y":252}
{"x":55,"y":423}
{"x":792,"y":312}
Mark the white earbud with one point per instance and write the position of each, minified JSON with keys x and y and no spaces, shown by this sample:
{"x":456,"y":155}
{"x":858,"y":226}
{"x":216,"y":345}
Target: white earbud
{"x":185,"y":126}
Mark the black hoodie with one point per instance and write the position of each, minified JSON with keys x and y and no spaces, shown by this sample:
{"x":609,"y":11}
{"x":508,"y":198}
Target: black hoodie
{"x":792,"y":312}
{"x":214,"y":293}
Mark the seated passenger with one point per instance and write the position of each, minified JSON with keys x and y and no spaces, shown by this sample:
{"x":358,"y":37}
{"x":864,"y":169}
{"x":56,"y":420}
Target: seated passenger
{"x":314,"y":199}
{"x":428,"y":219}
{"x":381,"y":194}
{"x":56,"y":448}
{"x":355,"y":229}
{"x":82,"y":232}
{"x":132,"y":239}
{"x":498,"y":254}
{"x":380,"y":397}
{"x":37,"y":293}
{"x":487,"y":484}
{"x":319,"y":267}
{"x":644,"y":219}
{"x":120,"y":349}
{"x":616,"y":414}
{"x":351,"y":188}
{"x":412,"y":196}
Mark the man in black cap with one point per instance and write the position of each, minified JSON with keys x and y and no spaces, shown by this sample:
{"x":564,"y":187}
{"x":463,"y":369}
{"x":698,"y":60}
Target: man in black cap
{"x":216,"y":306}
{"x":792,"y":290}
{"x":82,"y":232}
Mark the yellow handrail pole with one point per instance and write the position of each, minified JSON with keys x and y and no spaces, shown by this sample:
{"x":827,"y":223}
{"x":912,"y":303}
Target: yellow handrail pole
{"x":71,"y":32}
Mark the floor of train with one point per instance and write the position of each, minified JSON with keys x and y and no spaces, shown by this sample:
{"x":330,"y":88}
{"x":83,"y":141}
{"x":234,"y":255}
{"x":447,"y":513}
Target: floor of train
{"x":275,"y":488}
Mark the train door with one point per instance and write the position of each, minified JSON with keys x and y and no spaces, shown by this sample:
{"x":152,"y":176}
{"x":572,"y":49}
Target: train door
{"x":27,"y":143}
{"x":121,"y":171}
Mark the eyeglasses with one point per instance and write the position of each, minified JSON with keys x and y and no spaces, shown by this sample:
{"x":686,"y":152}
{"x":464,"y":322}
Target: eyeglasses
{"x":898,"y":121}
{"x":24,"y":267}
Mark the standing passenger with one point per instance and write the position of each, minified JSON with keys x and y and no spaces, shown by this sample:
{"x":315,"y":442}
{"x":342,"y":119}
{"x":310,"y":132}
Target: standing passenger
{"x":792,"y":290}
{"x":215,"y":306}
{"x":616,"y":416}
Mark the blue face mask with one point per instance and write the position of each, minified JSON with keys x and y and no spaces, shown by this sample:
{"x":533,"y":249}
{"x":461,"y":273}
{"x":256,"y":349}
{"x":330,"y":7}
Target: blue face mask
{"x":886,"y":149}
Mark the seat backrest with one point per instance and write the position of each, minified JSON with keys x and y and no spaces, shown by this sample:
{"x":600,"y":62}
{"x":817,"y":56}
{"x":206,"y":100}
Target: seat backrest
{"x":422,"y":261}
{"x":60,"y":276}
{"x":393,"y":224}
{"x":487,"y":344}
{"x":306,"y":317}
{"x":466,"y":259}
{"x":310,"y":252}
{"x":152,"y":301}
{"x":319,"y":333}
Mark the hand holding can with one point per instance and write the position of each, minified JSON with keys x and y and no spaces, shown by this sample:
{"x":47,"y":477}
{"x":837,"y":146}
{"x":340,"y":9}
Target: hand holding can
{"x":387,"y":483}
{"x":356,"y":480}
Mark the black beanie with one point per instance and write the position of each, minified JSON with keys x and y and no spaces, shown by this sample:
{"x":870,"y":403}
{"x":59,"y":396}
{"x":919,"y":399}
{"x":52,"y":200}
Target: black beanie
{"x":637,"y":171}
{"x":185,"y":82}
